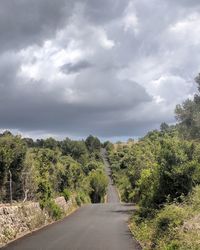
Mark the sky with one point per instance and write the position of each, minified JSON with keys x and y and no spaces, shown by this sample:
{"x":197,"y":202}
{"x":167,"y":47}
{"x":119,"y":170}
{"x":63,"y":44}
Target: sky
{"x":112,"y":68}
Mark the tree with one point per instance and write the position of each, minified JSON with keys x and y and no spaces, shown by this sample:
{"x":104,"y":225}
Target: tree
{"x":197,"y":80}
{"x":12,"y":155}
{"x":50,"y":143}
{"x":93,"y":143}
{"x":29,"y":142}
{"x":164,"y":127}
{"x":76,"y":149}
{"x":160,"y":167}
{"x":98,"y":183}
{"x":188,"y":116}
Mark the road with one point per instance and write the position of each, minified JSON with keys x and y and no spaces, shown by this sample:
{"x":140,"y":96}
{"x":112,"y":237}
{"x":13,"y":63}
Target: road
{"x":92,"y":227}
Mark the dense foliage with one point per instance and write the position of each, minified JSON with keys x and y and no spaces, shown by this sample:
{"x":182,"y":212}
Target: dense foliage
{"x":161,"y":173}
{"x":174,"y":227}
{"x":43,"y":169}
{"x":12,"y":154}
{"x":161,"y":167}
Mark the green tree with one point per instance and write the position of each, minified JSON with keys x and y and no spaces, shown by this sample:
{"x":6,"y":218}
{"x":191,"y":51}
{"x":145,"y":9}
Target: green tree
{"x":93,"y":143}
{"x":164,"y":127}
{"x":76,"y":149}
{"x":50,"y":143}
{"x":12,"y":155}
{"x":188,"y":116}
{"x":98,"y":183}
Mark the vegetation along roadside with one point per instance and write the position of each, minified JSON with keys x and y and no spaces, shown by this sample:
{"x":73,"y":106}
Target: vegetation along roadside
{"x":161,"y":173}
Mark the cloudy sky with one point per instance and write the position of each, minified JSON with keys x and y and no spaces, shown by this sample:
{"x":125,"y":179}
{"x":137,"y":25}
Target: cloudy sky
{"x":112,"y":68}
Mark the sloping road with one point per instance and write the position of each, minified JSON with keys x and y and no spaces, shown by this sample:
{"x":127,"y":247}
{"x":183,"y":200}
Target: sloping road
{"x":92,"y":227}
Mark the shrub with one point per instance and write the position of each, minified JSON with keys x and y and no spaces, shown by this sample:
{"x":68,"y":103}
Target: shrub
{"x":66,"y":193}
{"x":78,"y":200}
{"x":98,"y":183}
{"x":54,"y":211}
{"x":160,"y":229}
{"x":82,"y":198}
{"x":169,"y":218}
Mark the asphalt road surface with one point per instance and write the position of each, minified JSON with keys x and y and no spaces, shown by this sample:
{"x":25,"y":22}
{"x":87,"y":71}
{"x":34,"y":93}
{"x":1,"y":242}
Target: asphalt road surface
{"x":92,"y":227}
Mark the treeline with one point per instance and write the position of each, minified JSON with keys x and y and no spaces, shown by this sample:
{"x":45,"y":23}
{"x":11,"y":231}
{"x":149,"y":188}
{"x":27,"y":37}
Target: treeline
{"x":188,"y":116}
{"x":161,"y":173}
{"x":43,"y":169}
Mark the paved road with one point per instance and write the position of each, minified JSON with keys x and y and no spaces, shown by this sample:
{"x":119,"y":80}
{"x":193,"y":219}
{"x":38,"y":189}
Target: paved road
{"x":112,"y":196}
{"x":92,"y":227}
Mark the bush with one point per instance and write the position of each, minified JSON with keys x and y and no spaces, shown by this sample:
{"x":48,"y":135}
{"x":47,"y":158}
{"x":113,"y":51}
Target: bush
{"x":66,"y":193}
{"x":78,"y":200}
{"x":194,"y":199}
{"x":168,"y":219}
{"x":54,"y":211}
{"x":167,"y":228}
{"x":98,"y":183}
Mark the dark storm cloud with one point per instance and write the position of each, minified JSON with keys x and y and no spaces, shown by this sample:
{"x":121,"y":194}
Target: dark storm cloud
{"x":23,"y":22}
{"x":111,"y":68}
{"x":99,"y":110}
{"x":75,"y":67}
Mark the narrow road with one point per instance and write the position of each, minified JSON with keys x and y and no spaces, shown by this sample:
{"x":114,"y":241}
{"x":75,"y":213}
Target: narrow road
{"x":92,"y":227}
{"x":112,"y":195}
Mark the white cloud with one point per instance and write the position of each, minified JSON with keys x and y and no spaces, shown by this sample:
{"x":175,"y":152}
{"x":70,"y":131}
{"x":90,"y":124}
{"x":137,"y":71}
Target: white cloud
{"x":172,"y":89}
{"x":103,"y":39}
{"x":130,"y":20}
{"x":131,"y":23}
{"x":187,"y":29}
{"x":44,"y":62}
